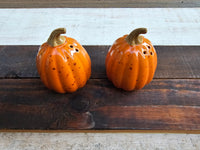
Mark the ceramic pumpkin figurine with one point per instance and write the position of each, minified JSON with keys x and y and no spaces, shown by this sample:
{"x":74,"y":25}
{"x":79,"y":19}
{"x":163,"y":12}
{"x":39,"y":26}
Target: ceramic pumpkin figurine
{"x":131,"y":61}
{"x":62,"y":63}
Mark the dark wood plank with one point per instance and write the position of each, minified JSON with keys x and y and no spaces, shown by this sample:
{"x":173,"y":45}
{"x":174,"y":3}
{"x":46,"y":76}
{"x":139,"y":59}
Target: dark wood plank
{"x":147,"y":117}
{"x":164,"y":104}
{"x":97,"y":3}
{"x":173,"y":61}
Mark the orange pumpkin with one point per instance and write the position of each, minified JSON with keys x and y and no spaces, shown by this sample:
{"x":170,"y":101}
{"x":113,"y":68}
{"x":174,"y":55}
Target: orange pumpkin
{"x":62,"y":63}
{"x":131,"y":61}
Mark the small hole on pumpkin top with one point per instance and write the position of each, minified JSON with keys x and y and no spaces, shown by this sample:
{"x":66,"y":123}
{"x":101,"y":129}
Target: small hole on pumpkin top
{"x":71,"y":46}
{"x":144,"y":52}
{"x":151,"y":53}
{"x":77,"y":50}
{"x":149,"y":47}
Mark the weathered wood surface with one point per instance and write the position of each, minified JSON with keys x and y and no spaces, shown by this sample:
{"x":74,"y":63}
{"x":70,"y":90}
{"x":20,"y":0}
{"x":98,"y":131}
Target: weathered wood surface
{"x":98,"y":141}
{"x":173,"y":61}
{"x":184,"y":22}
{"x":97,"y":3}
{"x":164,"y":104}
{"x":170,"y":102}
{"x":100,"y":26}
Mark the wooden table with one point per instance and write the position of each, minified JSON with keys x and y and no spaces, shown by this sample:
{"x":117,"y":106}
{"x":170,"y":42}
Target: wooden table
{"x":169,"y":104}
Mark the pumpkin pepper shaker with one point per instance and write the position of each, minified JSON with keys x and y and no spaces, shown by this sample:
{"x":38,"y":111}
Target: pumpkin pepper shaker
{"x":62,"y":63}
{"x":131,"y":61}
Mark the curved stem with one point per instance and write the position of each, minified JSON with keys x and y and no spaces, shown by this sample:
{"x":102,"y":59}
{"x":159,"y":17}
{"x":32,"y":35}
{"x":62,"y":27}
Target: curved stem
{"x":55,"y":39}
{"x":134,"y":38}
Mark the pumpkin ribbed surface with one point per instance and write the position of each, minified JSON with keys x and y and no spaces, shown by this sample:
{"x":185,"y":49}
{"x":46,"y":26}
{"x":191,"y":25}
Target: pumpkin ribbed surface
{"x":131,"y":67}
{"x":64,"y":68}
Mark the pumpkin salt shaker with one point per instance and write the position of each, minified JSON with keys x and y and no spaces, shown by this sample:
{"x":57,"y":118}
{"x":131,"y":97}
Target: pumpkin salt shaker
{"x":62,"y":63}
{"x":131,"y":61}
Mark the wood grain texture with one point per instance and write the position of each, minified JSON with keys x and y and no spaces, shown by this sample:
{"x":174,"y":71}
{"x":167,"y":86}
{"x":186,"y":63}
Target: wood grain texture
{"x":162,"y":105}
{"x":147,"y":117}
{"x":173,"y":61}
{"x":100,"y":26}
{"x":42,"y":110}
{"x":179,"y":94}
{"x":97,"y":3}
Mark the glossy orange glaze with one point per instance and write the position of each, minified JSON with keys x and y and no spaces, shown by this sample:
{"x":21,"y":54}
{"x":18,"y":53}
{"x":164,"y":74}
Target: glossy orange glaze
{"x":64,"y":68}
{"x":131,"y":67}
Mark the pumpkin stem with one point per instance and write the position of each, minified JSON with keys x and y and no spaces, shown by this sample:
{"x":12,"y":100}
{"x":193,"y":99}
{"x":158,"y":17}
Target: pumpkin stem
{"x":134,"y":38}
{"x":55,"y":39}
